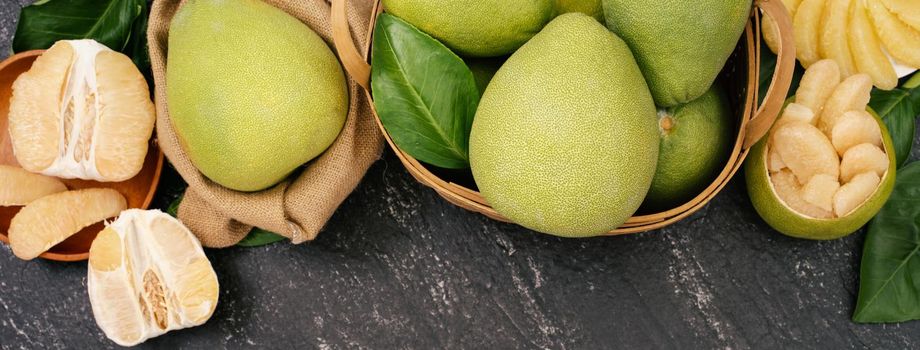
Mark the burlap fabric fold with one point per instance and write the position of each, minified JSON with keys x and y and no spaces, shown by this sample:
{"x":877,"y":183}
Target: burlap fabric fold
{"x":299,"y":207}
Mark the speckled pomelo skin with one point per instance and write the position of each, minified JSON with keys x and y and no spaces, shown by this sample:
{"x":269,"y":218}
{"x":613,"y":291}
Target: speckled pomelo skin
{"x":253,"y":92}
{"x":680,"y":45}
{"x":696,"y":139}
{"x":565,"y":140}
{"x":783,"y":219}
{"x":480,"y":28}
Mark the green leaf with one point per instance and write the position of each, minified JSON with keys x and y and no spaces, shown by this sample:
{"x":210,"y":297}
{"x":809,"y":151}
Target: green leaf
{"x":259,"y":237}
{"x":107,"y":21}
{"x":425,"y":95}
{"x":898,"y":109}
{"x":137,"y":44}
{"x":174,"y":207}
{"x":889,"y":286}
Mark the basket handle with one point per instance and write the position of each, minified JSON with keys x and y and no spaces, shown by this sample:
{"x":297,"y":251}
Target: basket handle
{"x":353,"y":61}
{"x":782,"y":76}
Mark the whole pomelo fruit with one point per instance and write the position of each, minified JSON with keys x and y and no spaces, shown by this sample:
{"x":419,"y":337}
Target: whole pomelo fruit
{"x":696,"y":139}
{"x":253,"y":93}
{"x":680,"y":45}
{"x":790,"y":222}
{"x":481,"y":28}
{"x":589,"y":7}
{"x":564,"y":141}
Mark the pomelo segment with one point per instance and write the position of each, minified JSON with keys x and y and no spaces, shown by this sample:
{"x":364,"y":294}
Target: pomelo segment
{"x":855,"y":192}
{"x":789,"y":190}
{"x":906,"y":10}
{"x":863,"y":158}
{"x":20,"y":187}
{"x":49,"y":220}
{"x":806,"y":151}
{"x":901,"y":41}
{"x":148,"y":275}
{"x":820,"y":190}
{"x":851,"y":95}
{"x":817,"y":85}
{"x":833,"y":42}
{"x":867,"y":49}
{"x":807,"y":23}
{"x":853,"y":128}
{"x":82,"y":111}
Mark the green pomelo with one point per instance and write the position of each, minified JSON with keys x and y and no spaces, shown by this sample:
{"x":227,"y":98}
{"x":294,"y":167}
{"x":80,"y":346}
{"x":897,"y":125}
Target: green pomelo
{"x":790,"y":222}
{"x":564,"y":141}
{"x":680,"y":45}
{"x":253,"y":93}
{"x":481,"y":28}
{"x":589,"y":7}
{"x":696,"y":139}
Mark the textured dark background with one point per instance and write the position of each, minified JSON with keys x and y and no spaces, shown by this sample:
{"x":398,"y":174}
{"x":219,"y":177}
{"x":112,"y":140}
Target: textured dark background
{"x":397,"y":267}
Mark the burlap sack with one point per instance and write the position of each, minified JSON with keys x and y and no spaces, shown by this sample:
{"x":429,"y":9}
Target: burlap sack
{"x":299,"y":207}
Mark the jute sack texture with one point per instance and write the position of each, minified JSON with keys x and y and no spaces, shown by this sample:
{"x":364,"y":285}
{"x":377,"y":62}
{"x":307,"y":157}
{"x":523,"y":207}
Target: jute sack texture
{"x":299,"y":207}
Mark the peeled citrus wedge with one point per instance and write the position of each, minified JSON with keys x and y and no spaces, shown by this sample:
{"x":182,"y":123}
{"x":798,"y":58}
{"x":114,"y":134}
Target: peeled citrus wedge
{"x":906,"y":10}
{"x":49,"y":220}
{"x":148,"y":275}
{"x":823,"y":183}
{"x":20,"y":187}
{"x":867,"y":50}
{"x":82,"y":111}
{"x":807,"y":23}
{"x":833,"y":42}
{"x":901,"y":41}
{"x":816,"y":86}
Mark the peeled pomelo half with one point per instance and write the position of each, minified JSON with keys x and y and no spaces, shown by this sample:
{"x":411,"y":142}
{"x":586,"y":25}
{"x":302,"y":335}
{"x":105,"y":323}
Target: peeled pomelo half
{"x":20,"y":187}
{"x":82,"y":111}
{"x":147,"y":275}
{"x":791,"y":214}
{"x":49,"y":220}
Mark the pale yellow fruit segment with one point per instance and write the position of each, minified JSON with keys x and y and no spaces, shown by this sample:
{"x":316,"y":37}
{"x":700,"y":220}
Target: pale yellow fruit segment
{"x":769,"y":29}
{"x":775,"y":161}
{"x":820,"y":190}
{"x":901,"y":41}
{"x":790,"y":192}
{"x":20,"y":187}
{"x":851,"y":95}
{"x":867,"y":50}
{"x":854,"y":193}
{"x":833,"y":42}
{"x":807,"y":23}
{"x":148,"y":275}
{"x":862,"y":158}
{"x":35,"y":119}
{"x":49,"y":220}
{"x":81,"y":111}
{"x":126,"y":119}
{"x":817,"y":84}
{"x":806,"y":151}
{"x":853,"y":128}
{"x":907,"y":10}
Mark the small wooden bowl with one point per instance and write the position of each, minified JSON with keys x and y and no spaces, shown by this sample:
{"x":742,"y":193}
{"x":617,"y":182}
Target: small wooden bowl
{"x":138,"y":191}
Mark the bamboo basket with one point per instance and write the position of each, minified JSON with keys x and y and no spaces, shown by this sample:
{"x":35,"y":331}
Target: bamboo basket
{"x":740,"y":77}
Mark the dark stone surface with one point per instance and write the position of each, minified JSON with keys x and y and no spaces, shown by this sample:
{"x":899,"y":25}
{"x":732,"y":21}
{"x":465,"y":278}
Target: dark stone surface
{"x":397,"y":267}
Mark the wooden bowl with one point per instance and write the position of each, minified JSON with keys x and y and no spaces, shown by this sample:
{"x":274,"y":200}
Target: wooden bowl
{"x":741,"y":77}
{"x":138,"y":191}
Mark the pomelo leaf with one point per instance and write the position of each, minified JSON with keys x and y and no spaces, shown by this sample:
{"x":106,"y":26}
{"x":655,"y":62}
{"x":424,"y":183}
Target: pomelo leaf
{"x":889,"y":286}
{"x":107,"y":21}
{"x":899,"y":109}
{"x":425,"y":95}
